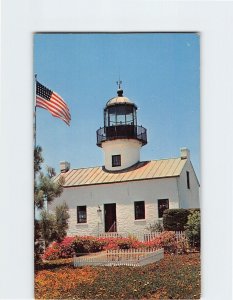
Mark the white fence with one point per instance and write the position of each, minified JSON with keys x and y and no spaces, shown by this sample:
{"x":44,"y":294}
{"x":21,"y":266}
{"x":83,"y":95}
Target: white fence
{"x":143,"y":237}
{"x":127,"y":257}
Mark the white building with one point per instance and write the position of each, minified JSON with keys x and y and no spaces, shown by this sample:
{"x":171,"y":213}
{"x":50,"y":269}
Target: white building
{"x":125,"y":195}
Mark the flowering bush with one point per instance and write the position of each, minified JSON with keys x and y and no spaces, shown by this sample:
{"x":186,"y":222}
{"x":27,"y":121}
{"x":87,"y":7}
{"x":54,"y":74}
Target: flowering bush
{"x":73,"y":245}
{"x":60,"y":250}
{"x":87,"y":244}
{"x":52,"y":252}
{"x":118,"y":243}
{"x":66,"y":247}
{"x":166,"y":240}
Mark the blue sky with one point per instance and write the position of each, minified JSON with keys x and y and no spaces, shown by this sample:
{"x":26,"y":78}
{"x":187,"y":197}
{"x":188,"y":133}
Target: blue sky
{"x":160,"y":74}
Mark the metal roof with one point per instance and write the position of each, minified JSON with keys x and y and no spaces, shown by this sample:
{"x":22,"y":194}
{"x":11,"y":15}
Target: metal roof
{"x":143,"y":170}
{"x":118,"y":100}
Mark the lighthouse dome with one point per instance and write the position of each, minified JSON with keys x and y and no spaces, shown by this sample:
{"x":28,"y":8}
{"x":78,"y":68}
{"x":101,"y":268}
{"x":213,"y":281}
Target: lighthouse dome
{"x":120,"y":99}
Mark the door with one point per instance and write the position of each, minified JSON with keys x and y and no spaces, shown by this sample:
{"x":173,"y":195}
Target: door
{"x":110,"y":217}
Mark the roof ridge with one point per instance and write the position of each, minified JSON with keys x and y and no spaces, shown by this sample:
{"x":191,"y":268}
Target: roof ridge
{"x":144,"y":161}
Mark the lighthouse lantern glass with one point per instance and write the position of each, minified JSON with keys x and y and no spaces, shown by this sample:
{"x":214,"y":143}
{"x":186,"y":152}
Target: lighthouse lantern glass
{"x":120,"y":115}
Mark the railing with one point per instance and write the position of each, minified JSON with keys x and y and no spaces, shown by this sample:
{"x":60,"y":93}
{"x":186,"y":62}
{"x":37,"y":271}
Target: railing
{"x":121,"y":132}
{"x":110,"y":235}
{"x":113,"y":227}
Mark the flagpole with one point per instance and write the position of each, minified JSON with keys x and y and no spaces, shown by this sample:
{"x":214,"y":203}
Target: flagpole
{"x":34,"y":92}
{"x":35,"y":79}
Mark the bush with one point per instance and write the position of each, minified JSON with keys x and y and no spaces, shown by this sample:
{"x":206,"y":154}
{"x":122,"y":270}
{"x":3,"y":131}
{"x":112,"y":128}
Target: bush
{"x":52,"y":252}
{"x":66,"y":247}
{"x":176,"y":219}
{"x":193,"y":229}
{"x":120,"y":243}
{"x":166,"y":240}
{"x":87,"y":244}
{"x":57,"y":250}
{"x":71,"y":246}
{"x":182,"y":246}
{"x":155,"y":227}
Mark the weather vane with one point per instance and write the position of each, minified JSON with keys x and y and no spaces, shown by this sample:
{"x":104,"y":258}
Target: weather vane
{"x":119,"y":82}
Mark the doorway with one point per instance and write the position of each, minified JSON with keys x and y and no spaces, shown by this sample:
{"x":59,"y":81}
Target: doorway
{"x":110,"y":217}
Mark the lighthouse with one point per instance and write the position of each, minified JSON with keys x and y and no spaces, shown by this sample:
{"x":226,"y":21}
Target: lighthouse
{"x":126,"y":195}
{"x":121,"y":138}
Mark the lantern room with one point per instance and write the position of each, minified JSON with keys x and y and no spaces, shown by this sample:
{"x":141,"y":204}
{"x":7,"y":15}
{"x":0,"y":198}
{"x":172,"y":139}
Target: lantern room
{"x":120,"y":111}
{"x":120,"y":121}
{"x":121,"y":138}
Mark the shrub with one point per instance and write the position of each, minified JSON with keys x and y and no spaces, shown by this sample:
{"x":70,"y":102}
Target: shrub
{"x":176,"y":219}
{"x":155,"y":227}
{"x":60,"y":250}
{"x":120,"y":243}
{"x":66,"y":247}
{"x":52,"y":252}
{"x":193,"y":229}
{"x":124,"y":243}
{"x":182,"y":246}
{"x":77,"y":245}
{"x":166,"y":240}
{"x":87,"y":244}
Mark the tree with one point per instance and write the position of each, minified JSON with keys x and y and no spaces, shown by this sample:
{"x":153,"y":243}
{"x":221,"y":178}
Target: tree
{"x":193,"y":229}
{"x":38,"y":159}
{"x":45,"y":189}
{"x":47,"y":224}
{"x":38,"y":245}
{"x":62,"y":217}
{"x":54,"y":227}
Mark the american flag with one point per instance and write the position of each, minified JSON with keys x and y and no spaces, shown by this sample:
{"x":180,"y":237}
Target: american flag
{"x":47,"y":99}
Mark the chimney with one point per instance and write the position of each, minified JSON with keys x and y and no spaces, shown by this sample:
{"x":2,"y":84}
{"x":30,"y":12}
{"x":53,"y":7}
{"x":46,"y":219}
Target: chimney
{"x":64,"y":166}
{"x":184,"y":153}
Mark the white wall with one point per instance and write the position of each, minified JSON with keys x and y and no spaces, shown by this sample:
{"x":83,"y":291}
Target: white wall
{"x":189,"y":198}
{"x":123,"y":194}
{"x":129,"y":149}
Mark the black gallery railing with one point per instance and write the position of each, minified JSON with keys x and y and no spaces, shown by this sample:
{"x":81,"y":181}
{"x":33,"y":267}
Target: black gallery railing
{"x":121,"y":132}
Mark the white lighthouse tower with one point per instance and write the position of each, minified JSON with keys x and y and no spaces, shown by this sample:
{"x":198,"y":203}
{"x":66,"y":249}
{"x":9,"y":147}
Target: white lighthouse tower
{"x":121,"y":138}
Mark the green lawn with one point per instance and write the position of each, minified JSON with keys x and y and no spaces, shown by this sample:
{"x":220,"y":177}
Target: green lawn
{"x":174,"y":277}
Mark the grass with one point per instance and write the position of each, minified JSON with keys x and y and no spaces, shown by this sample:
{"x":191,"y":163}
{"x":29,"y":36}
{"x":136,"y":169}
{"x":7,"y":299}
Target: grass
{"x":174,"y":277}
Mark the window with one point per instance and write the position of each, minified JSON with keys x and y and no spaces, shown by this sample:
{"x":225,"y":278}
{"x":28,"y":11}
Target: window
{"x":81,"y":214}
{"x":188,"y":181}
{"x":139,"y":210}
{"x":116,"y":160}
{"x":162,"y":205}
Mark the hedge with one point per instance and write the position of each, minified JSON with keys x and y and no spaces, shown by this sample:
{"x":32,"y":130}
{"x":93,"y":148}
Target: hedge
{"x":176,"y":219}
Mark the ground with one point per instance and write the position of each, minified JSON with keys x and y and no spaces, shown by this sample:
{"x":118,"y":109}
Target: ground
{"x":174,"y":277}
